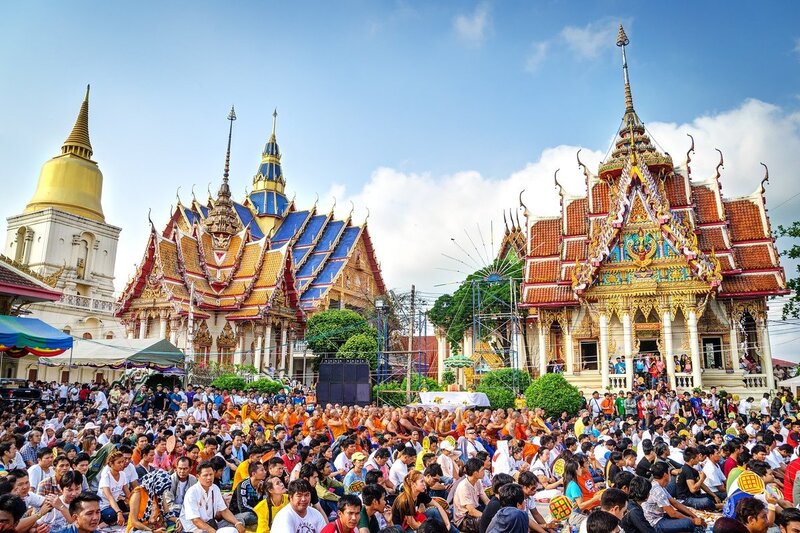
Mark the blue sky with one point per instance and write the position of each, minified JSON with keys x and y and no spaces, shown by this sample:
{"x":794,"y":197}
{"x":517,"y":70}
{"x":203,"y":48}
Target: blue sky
{"x":433,"y":115}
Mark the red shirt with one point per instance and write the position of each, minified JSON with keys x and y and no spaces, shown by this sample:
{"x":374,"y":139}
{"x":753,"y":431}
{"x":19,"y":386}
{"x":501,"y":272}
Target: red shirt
{"x":336,"y":527}
{"x":290,"y":463}
{"x":788,"y":479}
{"x":729,"y":465}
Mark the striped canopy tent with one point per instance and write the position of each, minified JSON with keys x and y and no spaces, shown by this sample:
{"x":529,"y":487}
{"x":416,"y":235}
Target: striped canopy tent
{"x":21,"y":335}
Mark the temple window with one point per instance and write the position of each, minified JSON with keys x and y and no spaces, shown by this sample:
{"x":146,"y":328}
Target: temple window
{"x":588,"y":355}
{"x":87,"y":336}
{"x":712,"y":352}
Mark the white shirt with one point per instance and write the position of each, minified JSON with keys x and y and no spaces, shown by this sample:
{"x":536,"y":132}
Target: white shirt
{"x":714,"y":476}
{"x":115,"y":485}
{"x":775,"y":459}
{"x":101,"y":401}
{"x":197,"y":503}
{"x":342,"y":462}
{"x":288,"y":521}
{"x":398,"y":473}
{"x":130,"y":473}
{"x":36,"y":474}
{"x":448,"y":466}
{"x":764,"y":406}
{"x":676,"y":454}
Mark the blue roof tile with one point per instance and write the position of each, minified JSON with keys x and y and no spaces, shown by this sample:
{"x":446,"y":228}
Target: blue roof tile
{"x":290,"y":226}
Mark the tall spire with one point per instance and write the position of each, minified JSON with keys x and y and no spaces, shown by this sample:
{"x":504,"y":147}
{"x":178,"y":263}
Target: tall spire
{"x":622,"y":42}
{"x":78,"y":142}
{"x":274,"y":122}
{"x":231,"y":118}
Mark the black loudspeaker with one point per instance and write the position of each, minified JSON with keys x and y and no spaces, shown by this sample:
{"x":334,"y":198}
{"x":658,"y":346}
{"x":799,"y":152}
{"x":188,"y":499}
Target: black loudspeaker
{"x":344,"y":381}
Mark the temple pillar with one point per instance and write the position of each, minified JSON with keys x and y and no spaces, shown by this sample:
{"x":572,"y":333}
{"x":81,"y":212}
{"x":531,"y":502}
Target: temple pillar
{"x":468,"y":350}
{"x":239,"y":350}
{"x":290,"y":350}
{"x":734,"y":345}
{"x":258,"y":357}
{"x":283,"y":351}
{"x":142,"y":327}
{"x":604,"y":349}
{"x":441,"y":350}
{"x":666,"y":325}
{"x":569,"y":350}
{"x":267,"y":355}
{"x":627,"y":345}
{"x":766,"y":352}
{"x":173,"y":332}
{"x":694,"y":347}
{"x":162,"y":326}
{"x":542,"y":351}
{"x":518,"y":343}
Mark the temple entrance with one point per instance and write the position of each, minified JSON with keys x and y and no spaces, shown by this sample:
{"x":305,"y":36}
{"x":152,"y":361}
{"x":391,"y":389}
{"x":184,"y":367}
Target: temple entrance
{"x":712,"y":352}
{"x":648,"y":346}
{"x":588,"y":355}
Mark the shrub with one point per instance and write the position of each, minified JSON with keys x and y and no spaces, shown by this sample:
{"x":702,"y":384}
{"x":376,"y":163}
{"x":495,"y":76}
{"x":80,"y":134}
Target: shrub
{"x":395,"y":399}
{"x":270,"y":386}
{"x":229,"y":382}
{"x":421,"y":382}
{"x":502,"y":386}
{"x":360,"y":346}
{"x":554,"y":394}
{"x":448,"y":377}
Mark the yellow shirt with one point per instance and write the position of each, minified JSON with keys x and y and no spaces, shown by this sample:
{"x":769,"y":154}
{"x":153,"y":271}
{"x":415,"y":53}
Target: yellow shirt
{"x":266,"y":512}
{"x":241,"y":472}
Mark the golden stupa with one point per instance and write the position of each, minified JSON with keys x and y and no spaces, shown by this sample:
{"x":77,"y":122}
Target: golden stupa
{"x":72,"y":182}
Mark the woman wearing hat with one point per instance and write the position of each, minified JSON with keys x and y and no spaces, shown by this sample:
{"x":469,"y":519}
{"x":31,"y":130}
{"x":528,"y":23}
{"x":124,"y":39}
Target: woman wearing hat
{"x":354,"y":479}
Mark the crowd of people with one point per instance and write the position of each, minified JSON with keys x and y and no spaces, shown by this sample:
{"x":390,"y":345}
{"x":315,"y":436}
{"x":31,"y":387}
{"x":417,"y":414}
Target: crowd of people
{"x":203,"y":460}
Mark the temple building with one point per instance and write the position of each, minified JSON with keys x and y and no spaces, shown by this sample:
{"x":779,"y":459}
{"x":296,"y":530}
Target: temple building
{"x":255,"y":270}
{"x":62,"y":237}
{"x":651,"y":266}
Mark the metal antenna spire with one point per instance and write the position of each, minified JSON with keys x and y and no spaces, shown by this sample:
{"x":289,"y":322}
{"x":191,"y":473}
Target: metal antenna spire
{"x":231,"y":117}
{"x":274,"y":121}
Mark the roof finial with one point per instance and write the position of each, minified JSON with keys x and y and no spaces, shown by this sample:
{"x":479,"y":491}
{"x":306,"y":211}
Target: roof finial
{"x":231,"y":118}
{"x":78,"y":142}
{"x":622,"y":42}
{"x":274,"y":121}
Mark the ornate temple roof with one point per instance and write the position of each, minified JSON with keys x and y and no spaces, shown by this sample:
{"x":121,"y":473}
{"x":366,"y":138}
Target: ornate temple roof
{"x":725,"y":243}
{"x":221,"y":250}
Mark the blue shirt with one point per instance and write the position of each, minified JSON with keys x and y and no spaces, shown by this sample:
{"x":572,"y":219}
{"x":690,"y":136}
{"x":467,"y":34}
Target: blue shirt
{"x":573,"y":492}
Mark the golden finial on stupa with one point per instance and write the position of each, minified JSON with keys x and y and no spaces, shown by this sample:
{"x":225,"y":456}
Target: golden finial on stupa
{"x":78,"y":142}
{"x":622,"y":42}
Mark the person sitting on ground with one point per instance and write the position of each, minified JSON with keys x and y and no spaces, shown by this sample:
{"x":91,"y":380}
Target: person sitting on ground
{"x":85,"y":512}
{"x":613,"y":501}
{"x":753,"y":514}
{"x":374,"y":498}
{"x":413,"y":506}
{"x":600,"y":521}
{"x":634,"y":520}
{"x":690,"y":484}
{"x":662,"y":511}
{"x":511,"y":518}
{"x":348,"y":514}
{"x":298,"y":516}
{"x":247,"y":494}
{"x":274,"y":500}
{"x":204,"y":507}
{"x":789,"y":521}
{"x":147,"y":503}
{"x":494,"y":504}
{"x":469,"y":497}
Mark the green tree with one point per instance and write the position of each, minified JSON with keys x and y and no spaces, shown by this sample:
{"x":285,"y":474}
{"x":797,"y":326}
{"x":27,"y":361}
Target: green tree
{"x":328,"y":331}
{"x":554,"y":394}
{"x":791,"y":309}
{"x":453,"y":313}
{"x":502,"y":386}
{"x":361,"y":346}
{"x":229,"y":382}
{"x":448,"y":377}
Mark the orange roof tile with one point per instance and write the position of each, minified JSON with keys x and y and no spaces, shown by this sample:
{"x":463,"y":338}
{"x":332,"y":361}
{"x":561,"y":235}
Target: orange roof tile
{"x":575,"y":249}
{"x":705,"y":204}
{"x":600,"y":197}
{"x":542,"y":271}
{"x":545,"y":237}
{"x":756,"y":256}
{"x":576,"y":217}
{"x":745,"y":218}
{"x":675,"y":187}
{"x":168,"y":256}
{"x":762,"y":282}
{"x":191,"y":257}
{"x":711,"y":238}
{"x":549,"y":294}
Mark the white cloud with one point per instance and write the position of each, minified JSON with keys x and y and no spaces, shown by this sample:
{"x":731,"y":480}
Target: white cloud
{"x":537,"y":55}
{"x":588,"y":41}
{"x":473,"y":28}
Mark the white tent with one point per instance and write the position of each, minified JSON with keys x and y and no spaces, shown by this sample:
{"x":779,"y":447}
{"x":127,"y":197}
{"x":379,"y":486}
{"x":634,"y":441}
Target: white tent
{"x":790,"y":383}
{"x":159,"y":354}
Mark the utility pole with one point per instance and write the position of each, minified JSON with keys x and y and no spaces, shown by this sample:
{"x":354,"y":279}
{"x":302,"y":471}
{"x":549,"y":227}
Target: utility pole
{"x":410,"y":343}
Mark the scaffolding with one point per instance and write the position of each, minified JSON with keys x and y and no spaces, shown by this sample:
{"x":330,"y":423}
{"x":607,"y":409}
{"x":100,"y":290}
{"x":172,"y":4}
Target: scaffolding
{"x":496,"y":325}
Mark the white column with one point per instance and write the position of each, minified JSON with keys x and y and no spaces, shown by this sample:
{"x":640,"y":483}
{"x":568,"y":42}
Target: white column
{"x":627,"y":340}
{"x":258,"y":357}
{"x":766,"y":353}
{"x":290,"y":351}
{"x":284,"y":336}
{"x":734,"y":344}
{"x":518,"y":344}
{"x":441,"y":349}
{"x":173,"y":332}
{"x":666,"y":323}
{"x":238,"y":352}
{"x":542,"y":351}
{"x":162,"y":327}
{"x":694,"y":346}
{"x":142,"y":327}
{"x":268,"y":344}
{"x":604,"y":349}
{"x":569,"y":350}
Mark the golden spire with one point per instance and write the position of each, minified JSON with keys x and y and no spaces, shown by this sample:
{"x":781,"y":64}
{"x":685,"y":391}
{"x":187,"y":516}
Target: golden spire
{"x":622,"y":42}
{"x":78,"y":142}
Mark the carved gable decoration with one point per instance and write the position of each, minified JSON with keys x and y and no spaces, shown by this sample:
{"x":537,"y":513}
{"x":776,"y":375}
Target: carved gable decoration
{"x":226,"y":339}
{"x":202,"y":337}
